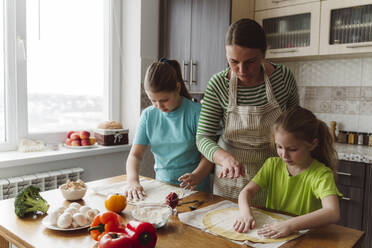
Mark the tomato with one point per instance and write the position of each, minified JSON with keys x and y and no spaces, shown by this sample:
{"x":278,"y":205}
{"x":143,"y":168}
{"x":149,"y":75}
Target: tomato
{"x":116,"y":203}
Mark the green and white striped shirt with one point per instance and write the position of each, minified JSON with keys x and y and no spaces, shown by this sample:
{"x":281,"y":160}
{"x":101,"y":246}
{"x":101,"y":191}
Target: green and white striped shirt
{"x":216,"y":100}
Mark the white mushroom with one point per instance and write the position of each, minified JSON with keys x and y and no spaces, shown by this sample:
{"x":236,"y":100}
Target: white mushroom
{"x":53,"y":217}
{"x":75,"y":205}
{"x":80,"y":219}
{"x":61,"y":209}
{"x":64,"y":220}
{"x":84,"y":210}
{"x":91,"y":214}
{"x":71,"y":210}
{"x":74,"y":224}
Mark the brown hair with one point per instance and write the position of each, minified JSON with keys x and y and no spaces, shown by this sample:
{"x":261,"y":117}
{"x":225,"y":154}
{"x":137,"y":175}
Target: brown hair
{"x":164,"y":76}
{"x":246,"y":33}
{"x":304,"y":125}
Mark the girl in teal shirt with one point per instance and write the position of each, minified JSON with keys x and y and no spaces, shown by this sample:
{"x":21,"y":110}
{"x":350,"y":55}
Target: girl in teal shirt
{"x":169,"y":127}
{"x":300,"y":181}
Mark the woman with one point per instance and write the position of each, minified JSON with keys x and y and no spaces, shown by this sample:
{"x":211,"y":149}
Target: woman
{"x":248,"y":97}
{"x":169,"y":127}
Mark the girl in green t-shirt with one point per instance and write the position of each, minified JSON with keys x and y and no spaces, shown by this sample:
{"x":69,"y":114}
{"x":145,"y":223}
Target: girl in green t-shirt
{"x":300,"y":181}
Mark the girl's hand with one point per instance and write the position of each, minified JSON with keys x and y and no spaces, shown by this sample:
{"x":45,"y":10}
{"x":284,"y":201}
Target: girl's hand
{"x":134,"y":191}
{"x":231,"y":166}
{"x":276,"y":230}
{"x":244,"y":223}
{"x":189,"y":181}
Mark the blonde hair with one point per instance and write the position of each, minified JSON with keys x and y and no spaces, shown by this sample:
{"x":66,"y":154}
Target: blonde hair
{"x":304,"y":125}
{"x":164,"y":76}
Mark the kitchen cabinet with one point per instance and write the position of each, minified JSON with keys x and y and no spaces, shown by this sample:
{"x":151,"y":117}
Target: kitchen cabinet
{"x":193,"y":32}
{"x":346,"y":27}
{"x":297,"y":28}
{"x":291,"y":31}
{"x":270,"y":4}
{"x":350,"y":183}
{"x":354,"y":181}
{"x":367,"y":208}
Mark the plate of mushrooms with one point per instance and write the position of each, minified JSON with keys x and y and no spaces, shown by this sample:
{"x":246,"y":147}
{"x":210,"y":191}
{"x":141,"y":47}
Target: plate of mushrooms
{"x":73,"y":217}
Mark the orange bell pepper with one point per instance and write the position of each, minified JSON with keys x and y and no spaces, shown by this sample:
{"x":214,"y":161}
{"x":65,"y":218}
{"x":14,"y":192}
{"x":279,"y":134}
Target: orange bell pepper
{"x":104,"y":223}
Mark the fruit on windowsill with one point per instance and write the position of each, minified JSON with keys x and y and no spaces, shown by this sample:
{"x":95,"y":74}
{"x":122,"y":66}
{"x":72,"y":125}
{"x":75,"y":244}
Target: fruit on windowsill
{"x":75,"y":136}
{"x":85,"y":142}
{"x":92,"y":140}
{"x":84,"y":134}
{"x":79,"y":138}
{"x":68,"y":142}
{"x":75,"y":143}
{"x":69,"y":134}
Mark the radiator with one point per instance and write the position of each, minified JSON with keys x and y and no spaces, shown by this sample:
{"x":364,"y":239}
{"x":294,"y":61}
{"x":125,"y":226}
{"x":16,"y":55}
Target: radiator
{"x":9,"y":187}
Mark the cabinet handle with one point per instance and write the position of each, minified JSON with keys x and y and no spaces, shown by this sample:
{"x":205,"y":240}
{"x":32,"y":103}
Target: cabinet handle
{"x":285,"y":51}
{"x":358,"y":45}
{"x":184,"y":65}
{"x":346,"y":198}
{"x":343,"y":173}
{"x":192,"y":64}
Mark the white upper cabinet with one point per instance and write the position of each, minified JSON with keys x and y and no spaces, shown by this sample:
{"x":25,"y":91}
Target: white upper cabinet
{"x":271,"y":4}
{"x":346,"y":27}
{"x":291,"y":31}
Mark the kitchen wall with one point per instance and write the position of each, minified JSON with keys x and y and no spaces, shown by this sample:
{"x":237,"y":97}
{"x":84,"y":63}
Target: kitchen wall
{"x":337,"y":90}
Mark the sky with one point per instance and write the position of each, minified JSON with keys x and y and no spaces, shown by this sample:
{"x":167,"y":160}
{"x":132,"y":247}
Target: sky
{"x":65,"y":48}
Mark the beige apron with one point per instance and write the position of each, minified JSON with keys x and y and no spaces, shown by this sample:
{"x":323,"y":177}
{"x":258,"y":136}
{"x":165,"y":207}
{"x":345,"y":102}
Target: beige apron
{"x":247,"y":137}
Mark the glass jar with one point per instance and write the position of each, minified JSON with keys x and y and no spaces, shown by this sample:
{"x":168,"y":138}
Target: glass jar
{"x":370,"y":139}
{"x":342,"y":137}
{"x":360,"y":138}
{"x":365,"y":139}
{"x":351,"y":138}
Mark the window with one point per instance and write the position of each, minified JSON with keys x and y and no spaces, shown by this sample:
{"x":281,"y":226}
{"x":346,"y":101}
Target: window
{"x":66,"y":74}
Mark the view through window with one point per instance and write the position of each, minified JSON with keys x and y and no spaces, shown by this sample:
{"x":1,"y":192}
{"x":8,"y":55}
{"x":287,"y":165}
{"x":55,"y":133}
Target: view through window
{"x":2,"y":77}
{"x":65,"y":64}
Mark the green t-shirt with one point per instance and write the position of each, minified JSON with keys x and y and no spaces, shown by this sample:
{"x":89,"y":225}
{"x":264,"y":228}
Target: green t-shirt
{"x":300,"y":194}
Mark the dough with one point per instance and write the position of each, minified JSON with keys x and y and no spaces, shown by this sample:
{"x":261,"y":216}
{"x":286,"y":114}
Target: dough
{"x":221,"y":222}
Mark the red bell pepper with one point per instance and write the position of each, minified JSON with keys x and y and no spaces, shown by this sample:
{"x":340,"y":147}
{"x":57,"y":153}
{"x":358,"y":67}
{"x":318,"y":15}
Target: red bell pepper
{"x":115,"y":240}
{"x":143,"y":234}
{"x":104,"y":223}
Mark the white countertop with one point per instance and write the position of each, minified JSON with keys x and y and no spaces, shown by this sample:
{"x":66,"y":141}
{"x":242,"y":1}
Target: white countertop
{"x":358,"y":153}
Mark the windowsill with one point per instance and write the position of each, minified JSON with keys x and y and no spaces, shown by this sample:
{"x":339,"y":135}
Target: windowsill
{"x":16,"y":158}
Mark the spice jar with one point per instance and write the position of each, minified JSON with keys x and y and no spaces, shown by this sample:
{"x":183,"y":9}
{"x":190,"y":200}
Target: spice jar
{"x":365,"y":139}
{"x":370,"y":139}
{"x":351,"y":138}
{"x":360,"y":138}
{"x":342,"y":137}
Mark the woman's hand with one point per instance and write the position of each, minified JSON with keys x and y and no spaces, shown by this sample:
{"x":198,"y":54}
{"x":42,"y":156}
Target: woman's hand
{"x":276,"y":230}
{"x":244,"y":223}
{"x":231,"y":167}
{"x":190,"y":181}
{"x":134,"y":191}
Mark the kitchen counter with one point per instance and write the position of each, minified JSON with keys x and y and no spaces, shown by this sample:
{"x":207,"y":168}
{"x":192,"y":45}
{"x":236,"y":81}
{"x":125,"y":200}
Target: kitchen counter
{"x":356,"y":153}
{"x":29,"y":232}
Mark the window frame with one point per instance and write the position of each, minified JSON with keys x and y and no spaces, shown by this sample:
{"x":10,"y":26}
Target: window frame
{"x":16,"y":72}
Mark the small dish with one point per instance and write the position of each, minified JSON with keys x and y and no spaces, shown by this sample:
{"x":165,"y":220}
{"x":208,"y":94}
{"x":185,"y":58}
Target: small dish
{"x":48,"y":225}
{"x":80,"y":147}
{"x":156,"y":214}
{"x":73,"y":191}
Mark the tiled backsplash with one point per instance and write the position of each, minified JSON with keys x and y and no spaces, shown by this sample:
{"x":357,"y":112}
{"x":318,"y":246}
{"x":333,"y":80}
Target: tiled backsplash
{"x":337,"y":90}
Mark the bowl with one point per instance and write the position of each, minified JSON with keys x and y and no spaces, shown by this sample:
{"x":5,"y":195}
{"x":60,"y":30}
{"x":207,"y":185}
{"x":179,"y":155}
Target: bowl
{"x":156,"y":214}
{"x":73,"y":193}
